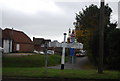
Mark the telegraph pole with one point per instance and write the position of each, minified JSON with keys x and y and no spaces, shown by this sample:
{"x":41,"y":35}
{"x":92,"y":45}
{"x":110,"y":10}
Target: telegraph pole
{"x":63,"y":53}
{"x":101,"y":38}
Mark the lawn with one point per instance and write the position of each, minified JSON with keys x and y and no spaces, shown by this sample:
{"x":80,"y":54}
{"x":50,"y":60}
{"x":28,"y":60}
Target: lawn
{"x":57,"y":73}
{"x":32,"y":66}
{"x":30,"y":60}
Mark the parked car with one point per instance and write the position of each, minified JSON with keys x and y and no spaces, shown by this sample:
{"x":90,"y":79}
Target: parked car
{"x":50,"y":52}
{"x":80,"y":54}
{"x":82,"y":51}
{"x":35,"y":51}
{"x":41,"y":52}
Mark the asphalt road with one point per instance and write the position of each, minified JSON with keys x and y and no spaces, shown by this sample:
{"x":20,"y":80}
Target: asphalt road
{"x":79,"y":61}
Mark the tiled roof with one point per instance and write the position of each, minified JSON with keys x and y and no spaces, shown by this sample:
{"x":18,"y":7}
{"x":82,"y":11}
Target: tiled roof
{"x":47,"y":40}
{"x":17,"y":36}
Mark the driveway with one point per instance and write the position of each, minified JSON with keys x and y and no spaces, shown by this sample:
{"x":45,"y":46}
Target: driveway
{"x":79,"y":62}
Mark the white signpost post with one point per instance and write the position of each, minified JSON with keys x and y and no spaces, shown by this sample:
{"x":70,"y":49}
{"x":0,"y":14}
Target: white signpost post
{"x":63,"y":53}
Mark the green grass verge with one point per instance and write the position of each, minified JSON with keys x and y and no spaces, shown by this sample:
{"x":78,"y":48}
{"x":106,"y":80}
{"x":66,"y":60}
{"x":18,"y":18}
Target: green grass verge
{"x":57,"y":73}
{"x":30,"y":60}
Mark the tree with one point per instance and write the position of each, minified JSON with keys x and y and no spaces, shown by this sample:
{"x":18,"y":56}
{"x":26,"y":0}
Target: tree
{"x":113,"y":39}
{"x":90,"y":14}
{"x":88,"y":20}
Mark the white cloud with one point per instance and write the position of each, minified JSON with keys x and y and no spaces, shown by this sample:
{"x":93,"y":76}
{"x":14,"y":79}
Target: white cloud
{"x":31,"y":6}
{"x":43,"y":18}
{"x":85,"y":0}
{"x":114,"y":18}
{"x":0,"y":17}
{"x":60,"y":38}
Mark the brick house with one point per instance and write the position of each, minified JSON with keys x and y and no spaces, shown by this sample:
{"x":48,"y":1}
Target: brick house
{"x":39,"y":43}
{"x":16,"y":41}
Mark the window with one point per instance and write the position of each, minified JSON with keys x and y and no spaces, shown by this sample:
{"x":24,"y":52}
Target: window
{"x":17,"y":47}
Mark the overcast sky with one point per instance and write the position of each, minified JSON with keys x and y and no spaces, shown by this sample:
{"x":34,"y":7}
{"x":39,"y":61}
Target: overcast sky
{"x":47,"y":19}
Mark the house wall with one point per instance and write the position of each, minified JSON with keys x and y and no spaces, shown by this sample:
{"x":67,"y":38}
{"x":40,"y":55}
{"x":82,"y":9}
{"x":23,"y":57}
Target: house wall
{"x":37,"y":48}
{"x":26,"y":47}
{"x":7,"y":45}
{"x":19,"y":47}
{"x":0,"y":37}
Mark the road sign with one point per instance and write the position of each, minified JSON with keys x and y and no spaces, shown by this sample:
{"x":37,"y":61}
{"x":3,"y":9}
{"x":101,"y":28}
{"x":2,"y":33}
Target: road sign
{"x":71,"y":51}
{"x":72,"y":37}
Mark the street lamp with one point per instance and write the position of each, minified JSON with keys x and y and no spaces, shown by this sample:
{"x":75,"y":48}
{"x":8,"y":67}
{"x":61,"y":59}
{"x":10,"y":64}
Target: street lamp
{"x":63,"y":53}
